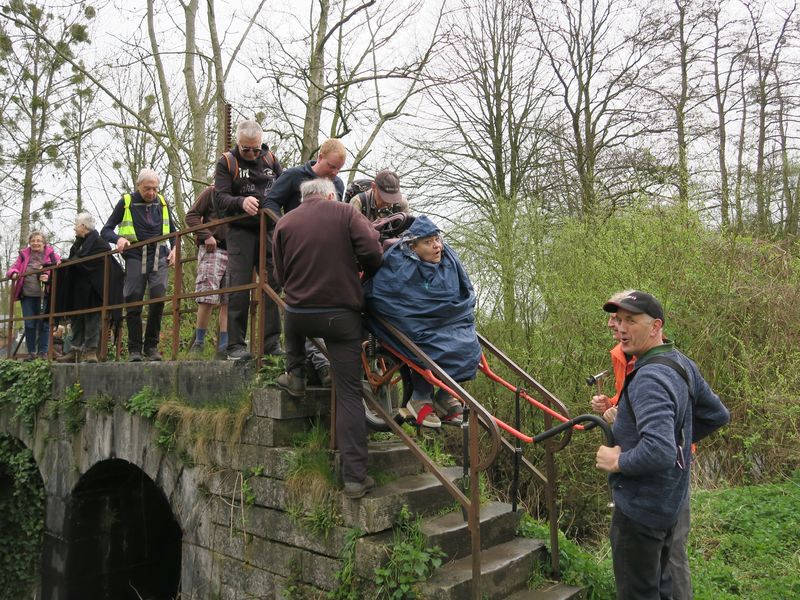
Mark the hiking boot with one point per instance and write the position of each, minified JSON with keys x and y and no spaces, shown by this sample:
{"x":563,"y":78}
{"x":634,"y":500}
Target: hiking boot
{"x":196,"y":350}
{"x":239,"y":353}
{"x":424,"y":414}
{"x":324,"y":374}
{"x":135,"y":357}
{"x":90,"y":356}
{"x":293,"y":385}
{"x":152,"y":354}
{"x":353,"y":489}
{"x":220,"y":354}
{"x":72,"y":356}
{"x":275,"y":350}
{"x":448,"y":408}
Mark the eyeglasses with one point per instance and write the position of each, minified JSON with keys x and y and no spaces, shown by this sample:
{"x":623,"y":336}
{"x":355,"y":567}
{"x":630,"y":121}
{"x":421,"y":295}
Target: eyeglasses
{"x":429,"y":242}
{"x":249,"y":148}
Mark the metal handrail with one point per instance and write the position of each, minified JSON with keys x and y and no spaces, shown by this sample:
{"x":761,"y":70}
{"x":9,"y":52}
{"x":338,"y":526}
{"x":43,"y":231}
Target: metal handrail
{"x":477,"y":411}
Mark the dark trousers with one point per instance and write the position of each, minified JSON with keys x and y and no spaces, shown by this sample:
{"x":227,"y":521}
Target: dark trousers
{"x":243,"y":258}
{"x":341,"y":331}
{"x":640,"y":556}
{"x":36,"y":331}
{"x":135,"y":284}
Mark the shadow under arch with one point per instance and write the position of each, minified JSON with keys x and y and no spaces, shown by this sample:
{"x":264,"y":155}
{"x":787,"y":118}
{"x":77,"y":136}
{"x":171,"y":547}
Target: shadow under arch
{"x":22,"y":515}
{"x":122,"y":540}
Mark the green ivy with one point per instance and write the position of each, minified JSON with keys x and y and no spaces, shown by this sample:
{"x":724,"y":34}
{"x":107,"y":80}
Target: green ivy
{"x":410,"y":561}
{"x":21,"y":519}
{"x":72,"y":406}
{"x":25,"y":385}
{"x":144,"y":402}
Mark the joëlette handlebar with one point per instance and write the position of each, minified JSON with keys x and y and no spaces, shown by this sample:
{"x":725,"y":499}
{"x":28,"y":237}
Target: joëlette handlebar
{"x":593,"y":421}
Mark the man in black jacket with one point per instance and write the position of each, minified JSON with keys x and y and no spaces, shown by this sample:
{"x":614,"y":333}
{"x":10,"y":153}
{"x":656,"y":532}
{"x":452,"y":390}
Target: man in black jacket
{"x":285,"y":196}
{"x":241,"y":182}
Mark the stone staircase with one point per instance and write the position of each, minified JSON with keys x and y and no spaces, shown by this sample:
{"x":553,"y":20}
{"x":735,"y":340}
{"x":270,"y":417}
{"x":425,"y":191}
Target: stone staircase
{"x":261,"y":552}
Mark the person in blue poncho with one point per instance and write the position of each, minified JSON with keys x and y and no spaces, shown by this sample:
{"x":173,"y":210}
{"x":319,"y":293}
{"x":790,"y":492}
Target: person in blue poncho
{"x":424,"y":291}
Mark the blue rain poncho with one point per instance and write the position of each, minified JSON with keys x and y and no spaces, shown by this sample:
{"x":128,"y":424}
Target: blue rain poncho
{"x":433,"y":304}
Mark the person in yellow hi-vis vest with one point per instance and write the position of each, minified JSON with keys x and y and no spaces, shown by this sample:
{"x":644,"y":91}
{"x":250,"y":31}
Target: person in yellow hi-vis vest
{"x":137,"y":217}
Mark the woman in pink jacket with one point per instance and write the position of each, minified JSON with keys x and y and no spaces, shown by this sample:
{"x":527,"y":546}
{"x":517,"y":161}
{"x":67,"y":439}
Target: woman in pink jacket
{"x":31,"y":290}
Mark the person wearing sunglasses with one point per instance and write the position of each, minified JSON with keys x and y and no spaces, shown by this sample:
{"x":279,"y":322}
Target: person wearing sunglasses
{"x":242,"y":179}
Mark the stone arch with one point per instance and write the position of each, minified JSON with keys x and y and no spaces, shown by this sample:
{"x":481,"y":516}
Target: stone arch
{"x":121,"y":539}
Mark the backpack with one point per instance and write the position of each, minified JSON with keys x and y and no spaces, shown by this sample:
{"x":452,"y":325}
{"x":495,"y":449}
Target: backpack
{"x":359,"y":186}
{"x":233,"y":169}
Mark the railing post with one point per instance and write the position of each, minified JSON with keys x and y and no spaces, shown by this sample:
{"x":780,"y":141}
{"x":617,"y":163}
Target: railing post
{"x":475,"y":510}
{"x":261,"y":296}
{"x":10,"y":342}
{"x":104,"y":310}
{"x":50,"y":320}
{"x":177,"y":290}
{"x":517,"y":451}
{"x":550,"y":497}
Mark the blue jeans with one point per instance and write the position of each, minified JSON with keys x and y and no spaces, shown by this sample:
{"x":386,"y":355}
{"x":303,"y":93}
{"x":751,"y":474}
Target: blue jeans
{"x":37,"y":335}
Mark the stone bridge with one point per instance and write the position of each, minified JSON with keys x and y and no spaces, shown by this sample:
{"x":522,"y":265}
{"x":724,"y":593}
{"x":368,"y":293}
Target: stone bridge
{"x":201,"y":500}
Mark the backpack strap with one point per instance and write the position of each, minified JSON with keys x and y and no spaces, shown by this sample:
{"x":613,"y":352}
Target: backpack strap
{"x":658,"y":360}
{"x":233,"y":164}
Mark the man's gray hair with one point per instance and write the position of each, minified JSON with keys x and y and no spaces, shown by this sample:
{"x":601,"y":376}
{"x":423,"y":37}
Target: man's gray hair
{"x":86,"y":219}
{"x":147,"y":174}
{"x":616,"y":297}
{"x":249,"y":129}
{"x":319,"y":185}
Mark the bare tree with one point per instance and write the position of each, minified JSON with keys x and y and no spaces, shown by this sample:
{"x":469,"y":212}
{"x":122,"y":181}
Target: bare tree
{"x":348,"y":71}
{"x":765,"y":55}
{"x":597,"y":62}
{"x":37,"y":85}
{"x":483,"y":148}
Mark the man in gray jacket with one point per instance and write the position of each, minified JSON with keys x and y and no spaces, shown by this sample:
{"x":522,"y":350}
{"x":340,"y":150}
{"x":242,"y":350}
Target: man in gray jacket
{"x":665,"y":406}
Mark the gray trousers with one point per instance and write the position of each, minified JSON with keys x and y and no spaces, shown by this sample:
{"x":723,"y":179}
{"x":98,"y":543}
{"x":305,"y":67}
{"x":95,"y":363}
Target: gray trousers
{"x":678,"y":559}
{"x":135,"y":284}
{"x":86,"y":331}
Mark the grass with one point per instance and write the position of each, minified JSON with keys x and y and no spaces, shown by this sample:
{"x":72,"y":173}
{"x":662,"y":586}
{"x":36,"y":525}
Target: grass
{"x":743,"y":544}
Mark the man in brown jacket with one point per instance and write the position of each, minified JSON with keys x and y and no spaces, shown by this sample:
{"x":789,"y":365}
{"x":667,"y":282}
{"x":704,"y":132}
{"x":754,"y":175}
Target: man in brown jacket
{"x":212,"y":265}
{"x":317,"y":248}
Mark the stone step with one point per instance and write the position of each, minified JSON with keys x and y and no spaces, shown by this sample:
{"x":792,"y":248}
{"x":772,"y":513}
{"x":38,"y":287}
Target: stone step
{"x":505,"y":568}
{"x":274,"y":403}
{"x":389,"y":460}
{"x":557,"y":591}
{"x":378,"y":510}
{"x":449,"y":532}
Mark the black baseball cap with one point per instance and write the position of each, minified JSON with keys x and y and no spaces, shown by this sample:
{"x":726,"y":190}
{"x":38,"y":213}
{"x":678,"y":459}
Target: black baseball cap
{"x":637,"y":302}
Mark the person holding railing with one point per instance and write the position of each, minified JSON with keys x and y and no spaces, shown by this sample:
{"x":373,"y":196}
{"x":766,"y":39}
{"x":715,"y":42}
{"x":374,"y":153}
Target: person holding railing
{"x":242,"y":179}
{"x":80,"y":286}
{"x":317,"y":248}
{"x":665,"y":405}
{"x":212,"y":265}
{"x":424,"y":291}
{"x":32,"y":291}
{"x":285,"y":196}
{"x":141,"y":216}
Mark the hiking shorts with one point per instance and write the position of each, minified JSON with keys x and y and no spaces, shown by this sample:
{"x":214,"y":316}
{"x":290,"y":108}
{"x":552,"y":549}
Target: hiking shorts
{"x":211,"y":270}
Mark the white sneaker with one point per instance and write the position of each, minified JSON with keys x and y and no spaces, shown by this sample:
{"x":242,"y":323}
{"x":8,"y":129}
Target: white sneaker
{"x":425,"y":409}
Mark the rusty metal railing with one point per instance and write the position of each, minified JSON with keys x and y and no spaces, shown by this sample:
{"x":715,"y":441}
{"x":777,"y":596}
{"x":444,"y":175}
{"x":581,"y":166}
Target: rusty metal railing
{"x":479,"y":415}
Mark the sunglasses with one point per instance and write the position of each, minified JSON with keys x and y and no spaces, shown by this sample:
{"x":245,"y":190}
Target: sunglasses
{"x":249,"y":148}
